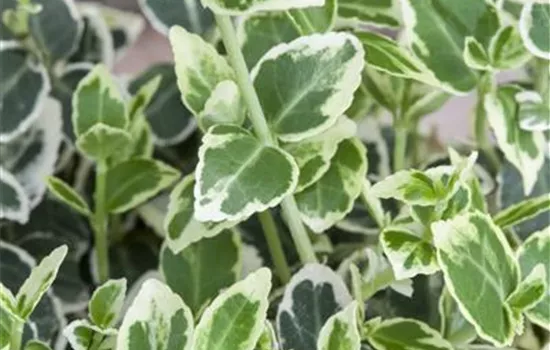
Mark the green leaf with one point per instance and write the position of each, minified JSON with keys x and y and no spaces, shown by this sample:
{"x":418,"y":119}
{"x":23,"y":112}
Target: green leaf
{"x":522,"y":148}
{"x":534,"y":113}
{"x":410,"y":186}
{"x":102,"y":141}
{"x":24,"y":81}
{"x":298,"y":102}
{"x":404,"y":334}
{"x":235,"y":319}
{"x":506,"y":49}
{"x":55,"y":30}
{"x":268,"y":339}
{"x":408,"y":252}
{"x":185,"y":271}
{"x":313,"y":295}
{"x":479,"y":282}
{"x":170,"y":121}
{"x":157,"y":319}
{"x":82,"y":335}
{"x":530,"y":291}
{"x":98,"y":100}
{"x":237,"y":7}
{"x":475,"y":56}
{"x":535,"y":251}
{"x":236,"y":189}
{"x":384,"y":14}
{"x":67,"y":195}
{"x":14,"y":202}
{"x":330,"y":199}
{"x":36,"y":345}
{"x":314,"y":154}
{"x":142,"y":98}
{"x":38,"y":282}
{"x":106,"y":303}
{"x":188,"y":13}
{"x":180,"y":225}
{"x":315,"y":19}
{"x":200,"y":73}
{"x":535,"y":28}
{"x":522,"y":211}
{"x":224,"y":106}
{"x":341,"y":332}
{"x":454,"y":326}
{"x":132,"y":182}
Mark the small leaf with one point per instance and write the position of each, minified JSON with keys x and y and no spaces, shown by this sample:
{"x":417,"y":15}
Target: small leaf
{"x":224,"y":106}
{"x":84,"y":336}
{"x":313,"y":295}
{"x":143,"y":97}
{"x":534,"y":113}
{"x":234,"y":190}
{"x":405,"y":334}
{"x":341,"y":332}
{"x":67,"y":195}
{"x":39,"y":281}
{"x":200,"y":73}
{"x":475,"y":55}
{"x":235,"y":319}
{"x":410,"y":186}
{"x":189,"y":13}
{"x":317,"y":19}
{"x":535,"y":28}
{"x":454,"y":326}
{"x":102,"y":141}
{"x":268,"y":339}
{"x":185,"y":271}
{"x":383,"y":14}
{"x":530,"y":291}
{"x":231,"y":7}
{"x":479,"y":282}
{"x":132,"y":182}
{"x":506,"y":49}
{"x":36,"y":345}
{"x":304,"y":102}
{"x":522,"y":211}
{"x":14,"y":202}
{"x":157,"y":319}
{"x":106,"y":303}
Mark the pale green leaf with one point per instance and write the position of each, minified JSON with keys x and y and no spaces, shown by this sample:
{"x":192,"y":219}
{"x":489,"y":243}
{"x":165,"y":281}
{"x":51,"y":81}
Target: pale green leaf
{"x":234,"y":177}
{"x":82,"y":335}
{"x":480,"y":282}
{"x":341,"y":332}
{"x":106,"y":303}
{"x":198,"y":74}
{"x":195,"y":274}
{"x":522,"y":211}
{"x":475,"y":56}
{"x":268,"y":339}
{"x":410,"y":186}
{"x":237,"y":7}
{"x":534,"y":112}
{"x":534,"y":28}
{"x":316,"y":19}
{"x":299,"y":102}
{"x":224,"y":106}
{"x":36,"y":345}
{"x":522,"y":148}
{"x":384,"y":14}
{"x":39,"y":281}
{"x":535,"y":251}
{"x":530,"y":291}
{"x":166,"y":13}
{"x":454,"y":327}
{"x":101,"y":141}
{"x":235,"y":319}
{"x":132,"y":182}
{"x":313,"y":155}
{"x":506,"y":49}
{"x":143,"y":97}
{"x":67,"y":195}
{"x":157,"y":320}
{"x":14,"y":202}
{"x":331,"y":198}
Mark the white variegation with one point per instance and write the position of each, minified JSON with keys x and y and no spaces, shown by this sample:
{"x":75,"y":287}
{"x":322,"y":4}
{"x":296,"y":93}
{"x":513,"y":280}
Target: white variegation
{"x":106,"y":302}
{"x":102,"y":141}
{"x":340,"y":331}
{"x":357,"y":13}
{"x":20,"y":210}
{"x":232,"y":7}
{"x":98,"y":24}
{"x":475,"y":55}
{"x":534,"y":115}
{"x":224,"y":106}
{"x":526,"y":25}
{"x":81,"y":335}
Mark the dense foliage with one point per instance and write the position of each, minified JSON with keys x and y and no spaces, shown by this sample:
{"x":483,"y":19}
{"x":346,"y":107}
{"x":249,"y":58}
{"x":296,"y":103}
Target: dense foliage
{"x":253,"y":196}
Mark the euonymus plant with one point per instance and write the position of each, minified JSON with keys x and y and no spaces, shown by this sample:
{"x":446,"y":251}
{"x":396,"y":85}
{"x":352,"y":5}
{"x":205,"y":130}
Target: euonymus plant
{"x":273,"y":188}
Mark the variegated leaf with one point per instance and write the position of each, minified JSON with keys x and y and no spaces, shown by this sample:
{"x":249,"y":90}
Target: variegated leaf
{"x":235,"y":319}
{"x":313,"y":295}
{"x":37,"y":345}
{"x":224,"y":106}
{"x":341,"y":332}
{"x":329,"y":199}
{"x":106,"y":303}
{"x":315,"y":19}
{"x":528,"y":294}
{"x":506,"y":49}
{"x":233,"y":7}
{"x":522,"y":211}
{"x":410,"y":186}
{"x":102,"y":141}
{"x":454,"y":327}
{"x":534,"y":28}
{"x":475,"y":56}
{"x":157,"y":320}
{"x":14,"y":203}
{"x":534,"y":112}
{"x":384,"y":14}
{"x":233,"y":190}
{"x":67,"y":195}
{"x":298,"y":105}
{"x":268,"y":339}
{"x":479,"y":282}
{"x":82,"y":335}
{"x":188,"y":13}
{"x":200,"y":73}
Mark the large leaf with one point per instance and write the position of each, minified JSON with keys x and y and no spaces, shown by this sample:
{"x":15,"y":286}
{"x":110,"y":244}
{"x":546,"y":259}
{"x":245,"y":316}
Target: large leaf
{"x":235,"y":319}
{"x":384,"y":14}
{"x":299,"y":102}
{"x":341,"y":331}
{"x":534,"y":251}
{"x":200,"y":73}
{"x":56,"y":29}
{"x":480,"y":282}
{"x":185,"y":272}
{"x":187,"y":13}
{"x":23,"y":93}
{"x":180,"y":225}
{"x":328,"y":200}
{"x":132,"y":182}
{"x":106,"y":303}
{"x":157,"y":320}
{"x":14,"y":202}
{"x":235,"y":7}
{"x":534,"y":28}
{"x":313,"y":295}
{"x":170,"y":121}
{"x":524,"y":149}
{"x":235,"y":178}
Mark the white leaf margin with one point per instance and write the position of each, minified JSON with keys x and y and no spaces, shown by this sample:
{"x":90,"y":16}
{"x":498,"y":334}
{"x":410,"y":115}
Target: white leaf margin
{"x":525,"y":25}
{"x":261,"y":5}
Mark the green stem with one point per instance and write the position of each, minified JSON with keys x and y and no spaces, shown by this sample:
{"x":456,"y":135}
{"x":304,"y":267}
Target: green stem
{"x":257,"y":118}
{"x":542,"y":79}
{"x":275,"y":246}
{"x":400,"y":148}
{"x":16,"y":334}
{"x":100,"y":224}
{"x":480,"y":125}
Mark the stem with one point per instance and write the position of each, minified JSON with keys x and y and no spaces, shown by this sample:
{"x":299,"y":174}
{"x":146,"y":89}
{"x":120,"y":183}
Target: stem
{"x":16,"y":334}
{"x":485,"y":86}
{"x":100,"y":225}
{"x":542,"y":79}
{"x":275,"y":246}
{"x":400,"y":147}
{"x":257,"y":118}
